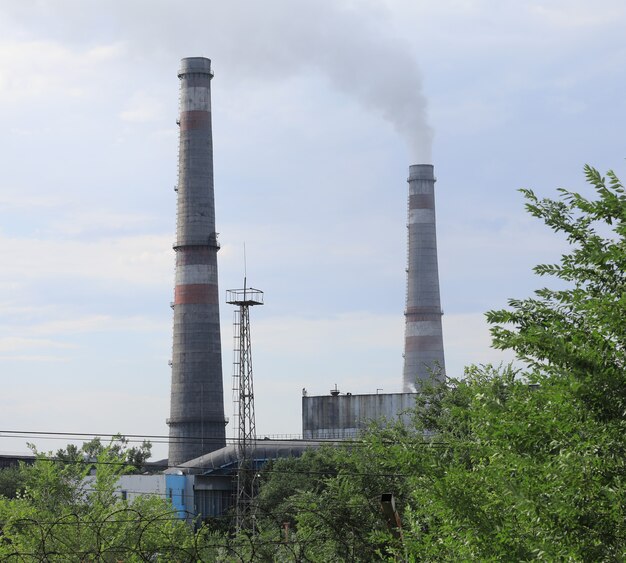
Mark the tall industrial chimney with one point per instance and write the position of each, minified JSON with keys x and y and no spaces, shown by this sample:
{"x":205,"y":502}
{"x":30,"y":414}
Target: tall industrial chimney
{"x":423,"y":337}
{"x":197,"y":423}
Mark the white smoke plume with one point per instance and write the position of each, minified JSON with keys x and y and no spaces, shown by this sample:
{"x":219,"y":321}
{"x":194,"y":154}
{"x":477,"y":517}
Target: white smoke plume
{"x":353,"y":45}
{"x":349,"y":41}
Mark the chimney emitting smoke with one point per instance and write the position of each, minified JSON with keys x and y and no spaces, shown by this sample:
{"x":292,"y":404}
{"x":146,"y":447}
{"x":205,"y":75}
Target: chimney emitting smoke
{"x":423,"y":343}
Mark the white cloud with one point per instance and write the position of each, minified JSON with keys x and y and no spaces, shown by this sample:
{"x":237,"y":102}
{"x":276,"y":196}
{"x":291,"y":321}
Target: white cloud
{"x":37,"y":358}
{"x":136,"y":260}
{"x":17,"y":311}
{"x":32,"y":338}
{"x":109,"y":52}
{"x":315,"y":336}
{"x":80,"y":221}
{"x":467,"y":341}
{"x":11,"y":198}
{"x":577,"y":14}
{"x":362,"y":348}
{"x":27,"y":349}
{"x":44,"y":69}
{"x":80,"y":410}
{"x":497,"y":243}
{"x":142,"y":108}
{"x":17,"y":343}
{"x":97,"y":323}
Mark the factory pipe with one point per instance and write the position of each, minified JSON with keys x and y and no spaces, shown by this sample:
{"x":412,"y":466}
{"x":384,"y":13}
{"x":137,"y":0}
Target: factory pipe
{"x":197,"y":422}
{"x":423,"y":344}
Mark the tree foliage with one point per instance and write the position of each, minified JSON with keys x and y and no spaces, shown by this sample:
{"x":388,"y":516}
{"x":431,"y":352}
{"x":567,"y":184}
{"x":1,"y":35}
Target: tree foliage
{"x":66,"y":514}
{"x":578,"y":331}
{"x":133,"y":457}
{"x":503,"y":464}
{"x":11,"y":481}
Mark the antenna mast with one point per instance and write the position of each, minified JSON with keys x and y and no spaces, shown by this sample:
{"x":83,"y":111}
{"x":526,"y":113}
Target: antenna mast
{"x":243,"y":398}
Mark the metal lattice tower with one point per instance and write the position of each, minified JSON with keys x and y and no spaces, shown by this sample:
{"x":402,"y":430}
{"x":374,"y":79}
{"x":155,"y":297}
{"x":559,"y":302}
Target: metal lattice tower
{"x":243,"y":398}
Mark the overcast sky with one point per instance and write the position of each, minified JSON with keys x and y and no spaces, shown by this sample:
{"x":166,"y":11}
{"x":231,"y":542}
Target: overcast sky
{"x":319,"y":107}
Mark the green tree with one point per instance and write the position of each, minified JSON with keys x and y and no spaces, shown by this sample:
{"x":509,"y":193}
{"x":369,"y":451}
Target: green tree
{"x":133,"y":457}
{"x":323,"y":506}
{"x":67,"y":514}
{"x":578,"y":331}
{"x":516,"y":472}
{"x":11,"y":481}
{"x":502,"y":465}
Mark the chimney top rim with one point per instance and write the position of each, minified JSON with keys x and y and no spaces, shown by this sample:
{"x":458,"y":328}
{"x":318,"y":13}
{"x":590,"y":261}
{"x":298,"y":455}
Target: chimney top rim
{"x":195,"y":65}
{"x":421,"y":172}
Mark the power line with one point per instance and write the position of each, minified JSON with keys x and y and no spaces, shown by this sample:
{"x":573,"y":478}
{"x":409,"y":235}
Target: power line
{"x":331,"y":472}
{"x":160,"y":439}
{"x":163,"y":439}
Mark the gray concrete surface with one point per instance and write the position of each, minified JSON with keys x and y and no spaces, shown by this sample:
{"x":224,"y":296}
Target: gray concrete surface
{"x":197,"y":423}
{"x":423,"y":338}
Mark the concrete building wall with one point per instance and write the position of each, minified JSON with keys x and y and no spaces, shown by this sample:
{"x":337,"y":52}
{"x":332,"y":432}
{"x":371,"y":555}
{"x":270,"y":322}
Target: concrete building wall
{"x":178,"y":489}
{"x":211,"y":478}
{"x":197,"y":422}
{"x":175,"y":492}
{"x":423,"y":343}
{"x":133,"y":486}
{"x":213,"y":495}
{"x":344,"y":416}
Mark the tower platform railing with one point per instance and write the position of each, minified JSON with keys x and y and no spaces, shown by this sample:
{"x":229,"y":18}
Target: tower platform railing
{"x":246,"y":296}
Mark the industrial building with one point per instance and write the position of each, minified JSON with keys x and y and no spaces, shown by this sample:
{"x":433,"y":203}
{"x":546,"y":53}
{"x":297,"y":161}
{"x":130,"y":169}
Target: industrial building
{"x":209,"y":479}
{"x":200,"y":478}
{"x":341,"y":417}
